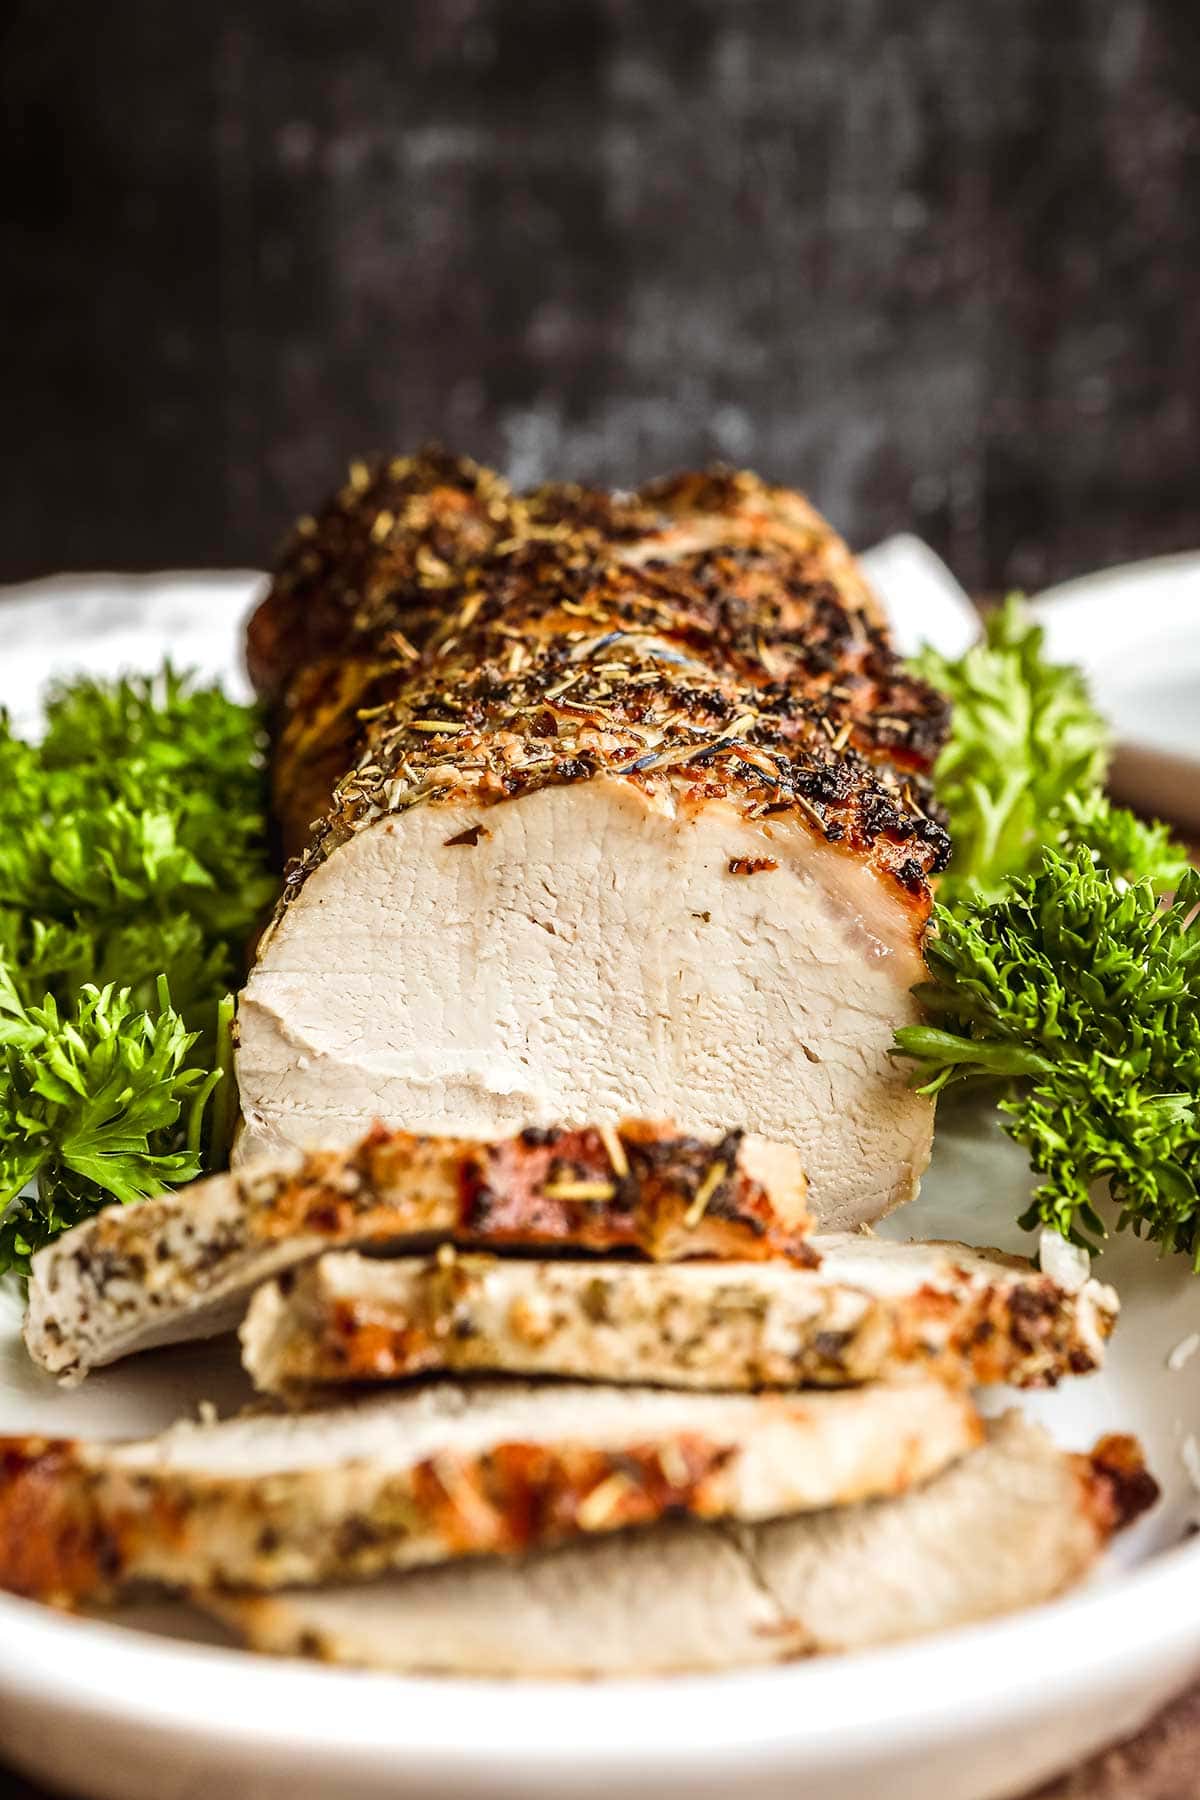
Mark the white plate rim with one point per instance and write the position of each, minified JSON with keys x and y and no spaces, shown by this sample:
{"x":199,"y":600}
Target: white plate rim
{"x":1075,"y":1646}
{"x":1103,"y":1638}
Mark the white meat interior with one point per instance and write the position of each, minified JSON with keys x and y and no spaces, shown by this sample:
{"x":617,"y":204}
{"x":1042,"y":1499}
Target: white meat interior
{"x":593,"y":957}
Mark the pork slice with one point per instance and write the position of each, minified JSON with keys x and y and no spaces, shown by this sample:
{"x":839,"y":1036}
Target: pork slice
{"x":634,"y":824}
{"x":587,"y":955}
{"x":873,"y":1309}
{"x":417,"y":1477}
{"x":667,"y":1600}
{"x":1013,"y":1524}
{"x":181,"y":1265}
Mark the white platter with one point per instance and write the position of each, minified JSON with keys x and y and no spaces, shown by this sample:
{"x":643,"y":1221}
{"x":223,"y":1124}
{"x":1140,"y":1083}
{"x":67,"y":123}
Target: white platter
{"x":140,"y":1713}
{"x":1136,"y":631}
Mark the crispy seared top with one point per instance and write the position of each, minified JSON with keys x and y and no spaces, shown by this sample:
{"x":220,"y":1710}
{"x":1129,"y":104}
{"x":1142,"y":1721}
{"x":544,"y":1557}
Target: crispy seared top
{"x":434,"y":636}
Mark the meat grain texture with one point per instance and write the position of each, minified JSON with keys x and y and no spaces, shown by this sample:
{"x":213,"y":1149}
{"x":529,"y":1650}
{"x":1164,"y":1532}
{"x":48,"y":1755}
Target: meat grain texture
{"x":601,"y":806}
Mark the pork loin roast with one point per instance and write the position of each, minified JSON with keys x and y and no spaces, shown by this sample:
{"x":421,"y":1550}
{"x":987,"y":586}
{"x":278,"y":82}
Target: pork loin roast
{"x":1012,"y":1524}
{"x":871,"y":1309}
{"x":620,"y":810}
{"x":417,"y":1477}
{"x":181,"y":1265}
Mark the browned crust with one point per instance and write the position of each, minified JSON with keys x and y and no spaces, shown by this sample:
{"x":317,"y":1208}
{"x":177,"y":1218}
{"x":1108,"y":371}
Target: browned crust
{"x":673,"y":1197}
{"x":53,"y":1544}
{"x":999,"y":1334}
{"x":342,"y":581}
{"x":1116,"y":1485}
{"x":1027,"y":1335}
{"x":639,"y":1187}
{"x":72,"y":1531}
{"x":548,"y":1187}
{"x":523,"y":1495}
{"x":755,"y":668}
{"x":354,"y":1342}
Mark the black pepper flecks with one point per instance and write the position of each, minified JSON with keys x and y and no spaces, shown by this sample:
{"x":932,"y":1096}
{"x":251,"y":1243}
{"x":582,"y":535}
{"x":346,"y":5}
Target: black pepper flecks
{"x":437,"y":638}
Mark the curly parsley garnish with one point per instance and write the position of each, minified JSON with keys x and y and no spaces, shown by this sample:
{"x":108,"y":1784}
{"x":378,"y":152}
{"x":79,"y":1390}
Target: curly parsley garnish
{"x":1058,"y":970}
{"x":133,"y":871}
{"x":1025,"y":743}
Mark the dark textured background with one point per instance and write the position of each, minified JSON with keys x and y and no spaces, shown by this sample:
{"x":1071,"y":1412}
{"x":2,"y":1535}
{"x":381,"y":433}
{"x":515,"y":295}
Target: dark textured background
{"x":936,"y":261}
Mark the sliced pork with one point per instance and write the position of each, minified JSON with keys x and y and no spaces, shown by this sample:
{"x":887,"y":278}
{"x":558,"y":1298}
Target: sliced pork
{"x":1010,"y":1525}
{"x":417,"y":1477}
{"x":183,"y":1264}
{"x":619,"y":812}
{"x":872,"y":1309}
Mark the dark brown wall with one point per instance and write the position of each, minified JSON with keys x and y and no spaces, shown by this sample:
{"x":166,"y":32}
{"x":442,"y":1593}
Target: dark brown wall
{"x":936,"y":261}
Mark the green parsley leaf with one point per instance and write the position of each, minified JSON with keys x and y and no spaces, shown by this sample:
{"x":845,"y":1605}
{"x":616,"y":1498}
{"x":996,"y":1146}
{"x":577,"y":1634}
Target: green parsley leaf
{"x":1080,"y":993}
{"x":133,"y":872}
{"x":1025,"y":740}
{"x":96,"y":1105}
{"x":1131,"y":849}
{"x":1057,"y":973}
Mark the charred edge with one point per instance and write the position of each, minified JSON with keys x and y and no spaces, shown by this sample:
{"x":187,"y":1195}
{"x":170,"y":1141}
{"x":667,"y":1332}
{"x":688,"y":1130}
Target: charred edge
{"x":798,"y":758}
{"x":476,"y":1198}
{"x":438,"y":552}
{"x":1026,"y":1334}
{"x":557,"y":1183}
{"x":381,"y":547}
{"x":1122,"y":1486}
{"x":53,"y":1544}
{"x":677,"y":1191}
{"x":1044,"y":1325}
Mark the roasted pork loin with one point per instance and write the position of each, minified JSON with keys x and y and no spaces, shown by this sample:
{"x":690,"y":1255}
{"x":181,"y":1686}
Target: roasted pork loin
{"x":871,"y":1310}
{"x":417,"y":1477}
{"x":619,"y":811}
{"x":1011,"y":1524}
{"x":182,"y":1265}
